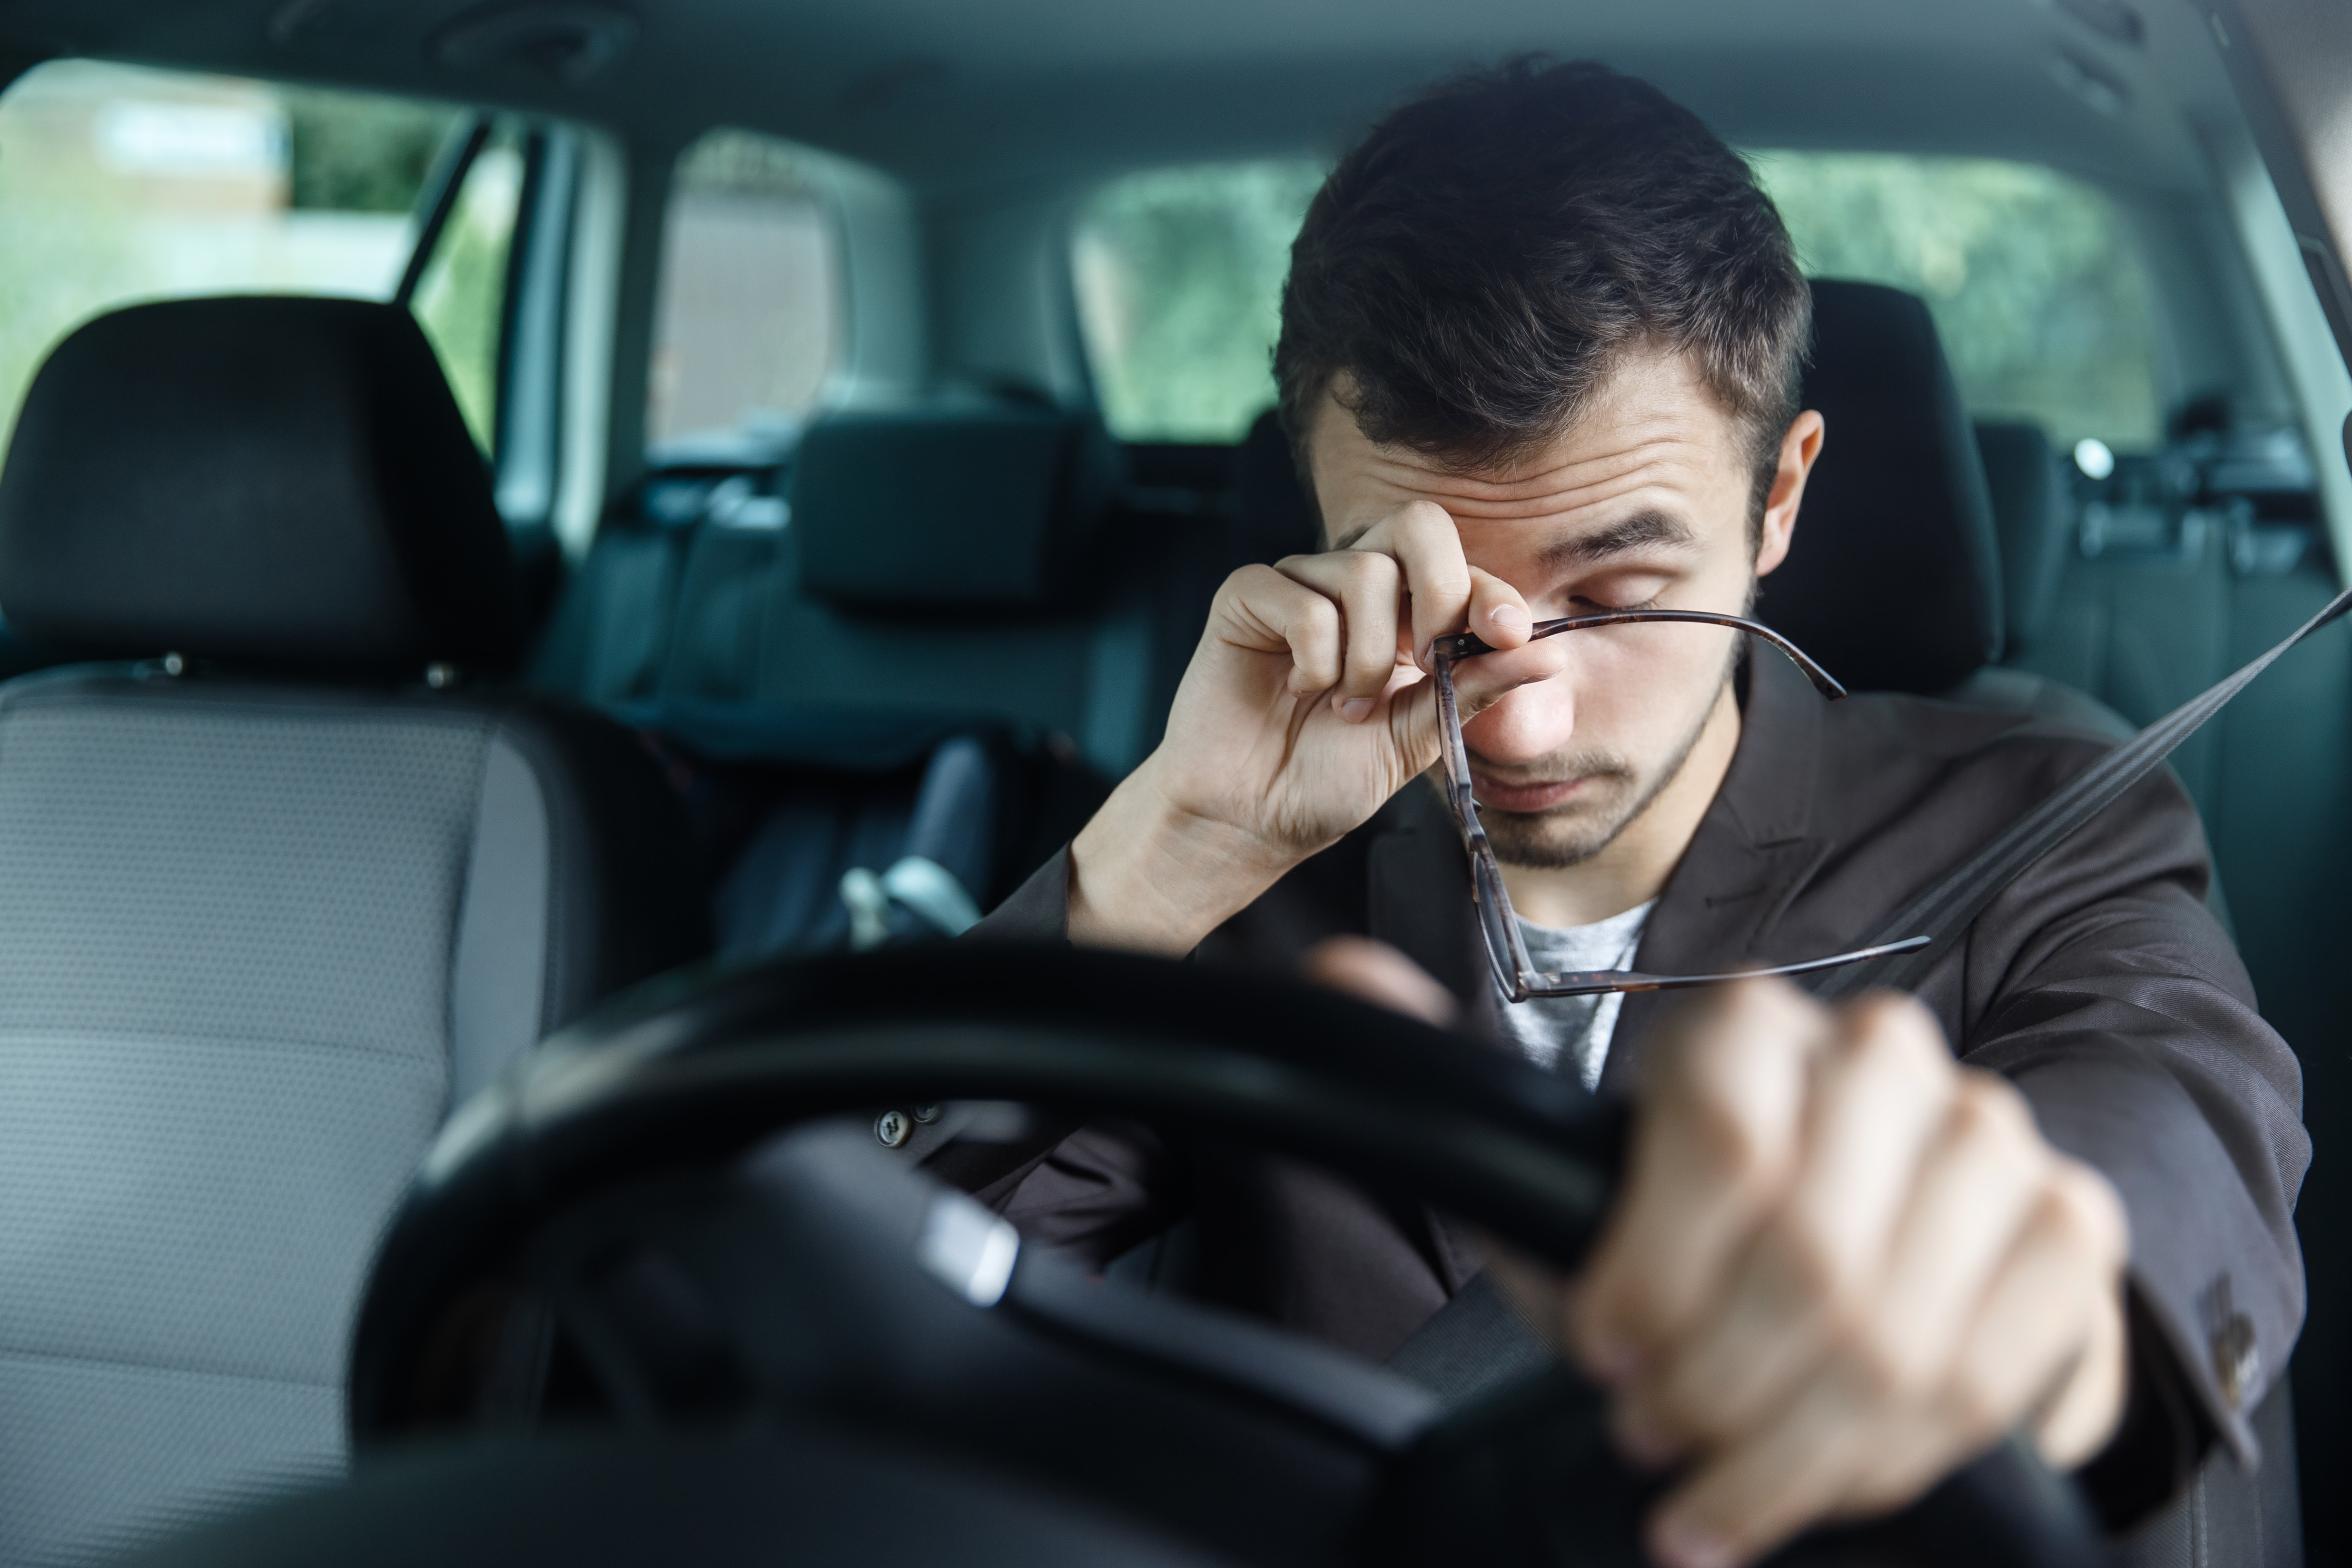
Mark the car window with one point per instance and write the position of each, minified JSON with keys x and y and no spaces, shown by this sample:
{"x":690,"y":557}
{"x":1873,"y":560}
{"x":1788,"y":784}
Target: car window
{"x":1179,"y":276}
{"x":120,"y":183}
{"x":2037,"y":289}
{"x":2035,"y":285}
{"x":748,"y":322}
{"x":460,"y":298}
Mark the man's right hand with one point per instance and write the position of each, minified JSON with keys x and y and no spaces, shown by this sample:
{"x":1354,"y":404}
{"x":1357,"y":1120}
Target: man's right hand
{"x":1306,"y":706}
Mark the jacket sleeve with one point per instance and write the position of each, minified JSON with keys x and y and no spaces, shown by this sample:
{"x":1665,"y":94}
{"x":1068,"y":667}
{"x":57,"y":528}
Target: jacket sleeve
{"x":1095,"y":1190}
{"x":1037,"y":911}
{"x":2113,"y":999}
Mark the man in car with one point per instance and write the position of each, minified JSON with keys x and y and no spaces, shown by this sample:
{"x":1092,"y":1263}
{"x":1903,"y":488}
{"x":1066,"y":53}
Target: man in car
{"x":1540,"y":357}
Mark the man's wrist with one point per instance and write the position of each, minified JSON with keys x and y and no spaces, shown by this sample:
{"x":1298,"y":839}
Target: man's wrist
{"x":1150,"y":876}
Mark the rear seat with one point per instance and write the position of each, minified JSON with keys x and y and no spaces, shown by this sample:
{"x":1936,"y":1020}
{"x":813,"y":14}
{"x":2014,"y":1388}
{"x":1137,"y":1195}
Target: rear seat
{"x":804,"y":648}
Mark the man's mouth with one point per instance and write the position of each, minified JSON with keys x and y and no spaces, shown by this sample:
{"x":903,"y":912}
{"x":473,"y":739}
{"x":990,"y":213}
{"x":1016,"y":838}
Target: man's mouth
{"x":1498,"y":796}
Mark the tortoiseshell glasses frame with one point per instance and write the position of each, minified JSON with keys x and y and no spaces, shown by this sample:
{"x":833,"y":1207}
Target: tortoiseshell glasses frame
{"x":1506,"y":950}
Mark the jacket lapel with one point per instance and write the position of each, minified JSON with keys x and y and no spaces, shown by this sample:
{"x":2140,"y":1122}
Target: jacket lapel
{"x":1751,"y":853}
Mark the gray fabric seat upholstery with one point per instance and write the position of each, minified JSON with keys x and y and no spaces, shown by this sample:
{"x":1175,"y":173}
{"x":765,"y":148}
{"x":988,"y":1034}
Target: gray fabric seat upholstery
{"x":264,"y":921}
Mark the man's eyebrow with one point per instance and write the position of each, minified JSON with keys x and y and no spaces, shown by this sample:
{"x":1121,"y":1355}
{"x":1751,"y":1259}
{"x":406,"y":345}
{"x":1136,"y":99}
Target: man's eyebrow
{"x":1642,"y":529}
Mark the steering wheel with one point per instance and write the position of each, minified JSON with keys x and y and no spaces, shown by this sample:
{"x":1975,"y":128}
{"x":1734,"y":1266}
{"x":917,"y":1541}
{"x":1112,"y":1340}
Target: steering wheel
{"x":666,"y":1222}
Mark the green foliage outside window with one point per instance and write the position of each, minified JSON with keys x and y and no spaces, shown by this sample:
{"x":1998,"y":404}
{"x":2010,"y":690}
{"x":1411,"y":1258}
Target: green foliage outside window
{"x":355,"y":153}
{"x":460,"y":300}
{"x":1179,"y":276}
{"x":2032,"y":276}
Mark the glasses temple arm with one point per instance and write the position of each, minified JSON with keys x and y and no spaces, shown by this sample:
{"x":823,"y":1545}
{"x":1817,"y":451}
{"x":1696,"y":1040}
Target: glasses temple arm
{"x":1463,"y":646}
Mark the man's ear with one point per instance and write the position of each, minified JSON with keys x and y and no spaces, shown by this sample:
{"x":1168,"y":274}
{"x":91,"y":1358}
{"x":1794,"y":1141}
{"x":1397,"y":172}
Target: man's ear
{"x":1800,"y":448}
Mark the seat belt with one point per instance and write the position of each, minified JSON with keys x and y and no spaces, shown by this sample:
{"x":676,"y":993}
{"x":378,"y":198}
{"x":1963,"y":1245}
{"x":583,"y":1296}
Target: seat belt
{"x":1477,"y":1341}
{"x":1943,"y":913}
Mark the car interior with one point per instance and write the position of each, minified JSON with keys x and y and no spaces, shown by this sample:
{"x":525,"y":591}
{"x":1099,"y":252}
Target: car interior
{"x":554,"y":522}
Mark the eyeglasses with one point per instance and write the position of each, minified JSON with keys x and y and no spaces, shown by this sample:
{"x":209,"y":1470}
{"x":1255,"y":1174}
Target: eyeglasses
{"x":1506,"y":950}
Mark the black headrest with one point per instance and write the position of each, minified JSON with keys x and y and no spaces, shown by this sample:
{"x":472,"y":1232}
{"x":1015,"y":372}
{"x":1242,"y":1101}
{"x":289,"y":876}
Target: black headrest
{"x":282,"y":482}
{"x":1892,"y":581}
{"x":2035,"y":522}
{"x":1271,"y":517}
{"x":981,"y":509}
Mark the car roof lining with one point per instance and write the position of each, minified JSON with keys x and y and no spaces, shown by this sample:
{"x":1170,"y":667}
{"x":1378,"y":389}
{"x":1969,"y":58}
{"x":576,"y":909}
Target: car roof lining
{"x":945,"y":94}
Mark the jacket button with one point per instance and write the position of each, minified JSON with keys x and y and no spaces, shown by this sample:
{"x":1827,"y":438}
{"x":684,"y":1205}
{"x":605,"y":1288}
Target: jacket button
{"x":2229,"y":1342}
{"x":891,"y":1127}
{"x":926,"y":1114}
{"x":2237,"y":1360}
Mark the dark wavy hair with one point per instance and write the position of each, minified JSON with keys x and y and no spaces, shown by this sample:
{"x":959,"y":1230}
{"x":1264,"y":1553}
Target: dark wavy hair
{"x":1476,"y":266}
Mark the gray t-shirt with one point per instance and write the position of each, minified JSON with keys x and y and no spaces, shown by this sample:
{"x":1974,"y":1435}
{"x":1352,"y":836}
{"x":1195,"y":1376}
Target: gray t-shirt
{"x":1559,"y":1031}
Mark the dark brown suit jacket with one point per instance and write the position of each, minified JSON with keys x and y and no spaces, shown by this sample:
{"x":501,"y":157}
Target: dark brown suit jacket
{"x":2098,"y":982}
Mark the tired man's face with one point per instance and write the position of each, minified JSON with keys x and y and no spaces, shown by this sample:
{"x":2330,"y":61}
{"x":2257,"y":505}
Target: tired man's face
{"x":1644,"y":502}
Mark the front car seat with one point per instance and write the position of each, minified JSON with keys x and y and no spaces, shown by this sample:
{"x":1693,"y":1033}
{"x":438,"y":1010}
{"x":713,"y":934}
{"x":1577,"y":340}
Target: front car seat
{"x":272,"y":901}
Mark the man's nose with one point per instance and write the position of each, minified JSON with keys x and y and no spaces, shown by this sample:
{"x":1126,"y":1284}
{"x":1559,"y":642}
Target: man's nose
{"x":1530,"y":722}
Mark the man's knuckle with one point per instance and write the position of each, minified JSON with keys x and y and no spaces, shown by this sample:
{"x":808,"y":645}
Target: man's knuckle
{"x":2087,"y":1210}
{"x":1884,"y":1361}
{"x":1975,"y":1410}
{"x":1250,"y":582}
{"x":1897,"y":1035}
{"x":1988,"y":1109}
{"x":1808,"y":1255}
{"x":1726,"y":1139}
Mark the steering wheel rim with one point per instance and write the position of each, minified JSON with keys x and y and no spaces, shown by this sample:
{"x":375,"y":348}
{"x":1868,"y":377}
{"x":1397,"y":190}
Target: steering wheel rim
{"x":689,"y":1072}
{"x":692,"y":1071}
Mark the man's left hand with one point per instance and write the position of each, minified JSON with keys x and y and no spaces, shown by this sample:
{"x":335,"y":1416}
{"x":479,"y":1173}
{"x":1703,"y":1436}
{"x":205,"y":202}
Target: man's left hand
{"x":1842,"y":1266}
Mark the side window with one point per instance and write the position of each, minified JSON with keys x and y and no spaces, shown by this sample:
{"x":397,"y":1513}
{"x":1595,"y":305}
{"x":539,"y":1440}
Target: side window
{"x":748,"y":323}
{"x":120,"y":183}
{"x":2035,"y":285}
{"x":1179,"y":277}
{"x":460,"y":298}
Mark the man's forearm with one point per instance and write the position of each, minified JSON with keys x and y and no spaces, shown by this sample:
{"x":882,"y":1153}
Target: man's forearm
{"x":1152,"y":878}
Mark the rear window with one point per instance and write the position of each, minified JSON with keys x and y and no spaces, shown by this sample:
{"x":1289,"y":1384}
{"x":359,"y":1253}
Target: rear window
{"x":1179,"y":276}
{"x":2037,"y":289}
{"x":2032,"y":277}
{"x":748,"y":324}
{"x":120,"y":183}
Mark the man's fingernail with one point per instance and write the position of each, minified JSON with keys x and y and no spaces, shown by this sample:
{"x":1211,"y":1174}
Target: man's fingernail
{"x":1679,"y":1542}
{"x":1354,"y":709}
{"x":1508,"y":618}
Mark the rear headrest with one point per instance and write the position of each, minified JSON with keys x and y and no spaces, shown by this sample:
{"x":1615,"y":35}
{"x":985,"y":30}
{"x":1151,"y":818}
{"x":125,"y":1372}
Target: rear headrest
{"x":1892,"y":581}
{"x":281,"y":482}
{"x":2035,"y":524}
{"x":971,"y":509}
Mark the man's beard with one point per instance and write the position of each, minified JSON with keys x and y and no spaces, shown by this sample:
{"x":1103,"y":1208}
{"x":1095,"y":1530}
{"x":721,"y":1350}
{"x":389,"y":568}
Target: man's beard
{"x":1614,"y":794}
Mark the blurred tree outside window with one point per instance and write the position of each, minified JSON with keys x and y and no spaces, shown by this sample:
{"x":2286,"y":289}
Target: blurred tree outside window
{"x":1179,"y":276}
{"x":120,"y":183}
{"x":748,"y":320}
{"x":2034,"y":283}
{"x":2037,"y":290}
{"x":460,"y":300}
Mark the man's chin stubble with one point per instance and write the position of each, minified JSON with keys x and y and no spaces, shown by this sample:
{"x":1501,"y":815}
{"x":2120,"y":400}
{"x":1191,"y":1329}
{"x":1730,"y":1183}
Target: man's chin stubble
{"x":1554,"y":840}
{"x":1520,"y":838}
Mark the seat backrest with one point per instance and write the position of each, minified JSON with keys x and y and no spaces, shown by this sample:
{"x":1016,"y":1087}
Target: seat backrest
{"x":2035,"y":524}
{"x":1893,"y":580}
{"x":271,"y":905}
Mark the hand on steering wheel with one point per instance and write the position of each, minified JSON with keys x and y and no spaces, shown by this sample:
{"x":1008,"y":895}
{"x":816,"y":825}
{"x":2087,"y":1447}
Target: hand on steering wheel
{"x":688,"y":1086}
